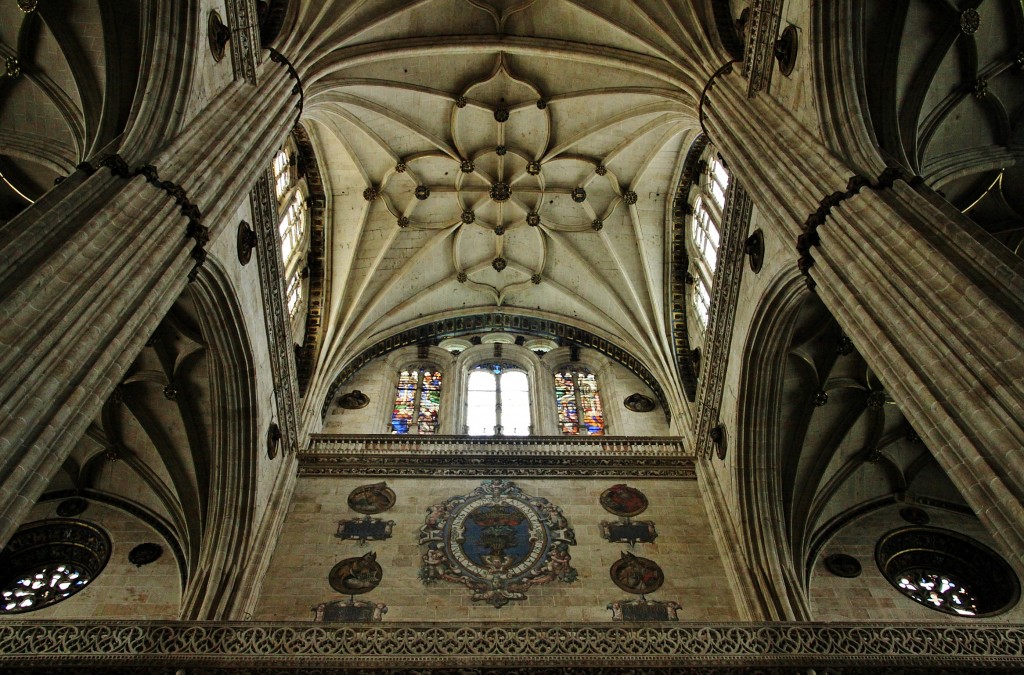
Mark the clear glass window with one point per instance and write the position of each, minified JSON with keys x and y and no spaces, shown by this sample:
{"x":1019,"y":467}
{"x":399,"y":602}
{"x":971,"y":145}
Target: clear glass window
{"x":498,"y":401}
{"x":705,"y":235}
{"x":282,"y":174}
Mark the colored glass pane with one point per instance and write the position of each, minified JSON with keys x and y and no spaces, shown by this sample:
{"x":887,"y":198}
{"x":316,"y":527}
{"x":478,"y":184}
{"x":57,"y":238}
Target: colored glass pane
{"x":590,"y":402}
{"x":430,"y":401}
{"x":565,"y":395}
{"x":577,"y":399}
{"x":405,"y":402}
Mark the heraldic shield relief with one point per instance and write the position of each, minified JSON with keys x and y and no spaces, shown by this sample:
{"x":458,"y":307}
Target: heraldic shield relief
{"x":496,"y":541}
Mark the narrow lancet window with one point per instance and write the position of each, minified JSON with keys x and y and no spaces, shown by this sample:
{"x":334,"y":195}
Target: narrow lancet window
{"x":498,"y":401}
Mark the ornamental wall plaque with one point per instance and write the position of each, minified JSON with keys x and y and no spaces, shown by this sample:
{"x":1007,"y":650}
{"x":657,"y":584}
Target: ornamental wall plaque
{"x":145,"y":554}
{"x":622,"y":500}
{"x":353,"y":400}
{"x":353,"y":576}
{"x":644,"y":610}
{"x":634,"y":574}
{"x":371,"y":499}
{"x":629,"y":532}
{"x":496,"y":541}
{"x":349,"y":610}
{"x":365,"y":529}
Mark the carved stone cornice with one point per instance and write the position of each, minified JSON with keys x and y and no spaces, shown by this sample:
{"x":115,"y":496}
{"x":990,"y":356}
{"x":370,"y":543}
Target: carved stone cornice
{"x":476,"y":323}
{"x":762,"y":31}
{"x":681,"y":264}
{"x":725,"y":293}
{"x":136,"y":646}
{"x":275,"y":316}
{"x":245,"y":39}
{"x":503,"y":457}
{"x":315,"y":281}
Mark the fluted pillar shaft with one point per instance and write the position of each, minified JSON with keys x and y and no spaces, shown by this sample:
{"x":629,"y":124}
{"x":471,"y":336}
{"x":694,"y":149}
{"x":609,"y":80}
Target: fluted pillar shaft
{"x":936,"y":312}
{"x":90,"y":270}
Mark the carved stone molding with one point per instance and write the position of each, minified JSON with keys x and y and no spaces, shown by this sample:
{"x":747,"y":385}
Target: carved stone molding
{"x":462,"y":456}
{"x":725,"y":293}
{"x":245,"y":38}
{"x":316,"y":281}
{"x":762,"y":30}
{"x":275,"y":316}
{"x":77,"y":646}
{"x":681,"y":264}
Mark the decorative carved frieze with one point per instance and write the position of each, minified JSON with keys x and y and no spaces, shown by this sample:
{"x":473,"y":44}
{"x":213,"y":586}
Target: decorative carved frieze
{"x":76,"y":646}
{"x":762,"y":30}
{"x":245,"y":38}
{"x":681,"y":264}
{"x":461,"y":456}
{"x":316,"y":280}
{"x":725,"y":293}
{"x":275,"y":316}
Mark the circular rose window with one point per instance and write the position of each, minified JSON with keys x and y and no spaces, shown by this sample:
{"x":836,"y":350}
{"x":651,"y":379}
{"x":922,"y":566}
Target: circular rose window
{"x":49,"y":561}
{"x":947,"y":572}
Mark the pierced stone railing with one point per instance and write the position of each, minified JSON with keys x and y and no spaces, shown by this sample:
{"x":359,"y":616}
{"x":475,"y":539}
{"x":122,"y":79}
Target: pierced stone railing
{"x":79,"y":646}
{"x":506,"y":456}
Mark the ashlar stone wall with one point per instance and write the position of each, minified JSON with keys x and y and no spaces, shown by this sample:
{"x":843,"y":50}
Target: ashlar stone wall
{"x":307,"y":550}
{"x":122,"y":590}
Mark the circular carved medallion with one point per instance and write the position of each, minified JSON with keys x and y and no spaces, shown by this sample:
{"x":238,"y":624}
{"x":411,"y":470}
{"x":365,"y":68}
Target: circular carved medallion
{"x":843,"y":565}
{"x":637,"y":402}
{"x":273,"y":440}
{"x":353,"y":576}
{"x":622,"y":500}
{"x":371,"y":499}
{"x":914,"y":515}
{"x":354,"y":400}
{"x":144,"y":554}
{"x":70,"y":508}
{"x":637,"y":575}
{"x":579,"y":195}
{"x":246,"y":241}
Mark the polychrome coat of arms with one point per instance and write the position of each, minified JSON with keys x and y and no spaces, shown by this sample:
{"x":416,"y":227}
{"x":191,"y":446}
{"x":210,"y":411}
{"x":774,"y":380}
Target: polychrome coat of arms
{"x":498,"y":542}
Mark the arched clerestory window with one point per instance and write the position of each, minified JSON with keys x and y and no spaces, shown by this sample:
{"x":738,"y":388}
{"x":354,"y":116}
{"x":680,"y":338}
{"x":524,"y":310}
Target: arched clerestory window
{"x":417,"y":401}
{"x":705,"y":229}
{"x":579,"y":403}
{"x":293,"y":227}
{"x":498,"y":400}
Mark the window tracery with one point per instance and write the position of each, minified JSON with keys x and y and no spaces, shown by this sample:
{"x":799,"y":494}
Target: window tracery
{"x":417,"y":401}
{"x":578,"y":402}
{"x":49,"y":561}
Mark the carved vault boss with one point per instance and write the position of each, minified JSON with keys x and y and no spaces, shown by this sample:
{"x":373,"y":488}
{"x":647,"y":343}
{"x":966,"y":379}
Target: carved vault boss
{"x":497,"y":541}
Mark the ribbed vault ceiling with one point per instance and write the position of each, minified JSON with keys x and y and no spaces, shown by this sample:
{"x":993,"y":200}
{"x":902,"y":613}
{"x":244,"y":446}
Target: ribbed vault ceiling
{"x":514,"y":155}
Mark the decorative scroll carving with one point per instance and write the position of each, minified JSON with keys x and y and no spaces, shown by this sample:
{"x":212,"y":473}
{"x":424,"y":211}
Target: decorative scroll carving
{"x":245,"y":38}
{"x":315,"y":647}
{"x":275,"y":317}
{"x":476,"y":323}
{"x":278,"y":57}
{"x":725,"y":292}
{"x":762,"y":30}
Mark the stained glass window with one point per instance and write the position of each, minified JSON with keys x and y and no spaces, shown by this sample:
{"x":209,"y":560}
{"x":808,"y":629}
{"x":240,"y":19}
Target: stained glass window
{"x":579,"y":404}
{"x":708,"y":210}
{"x":498,"y":401}
{"x":417,"y":401}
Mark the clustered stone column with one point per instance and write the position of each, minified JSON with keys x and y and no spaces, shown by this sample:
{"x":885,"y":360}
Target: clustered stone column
{"x":938,"y":313}
{"x":93,"y":266}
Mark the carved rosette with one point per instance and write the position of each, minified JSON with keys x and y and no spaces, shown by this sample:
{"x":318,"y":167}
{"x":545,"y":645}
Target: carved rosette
{"x":498,"y":542}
